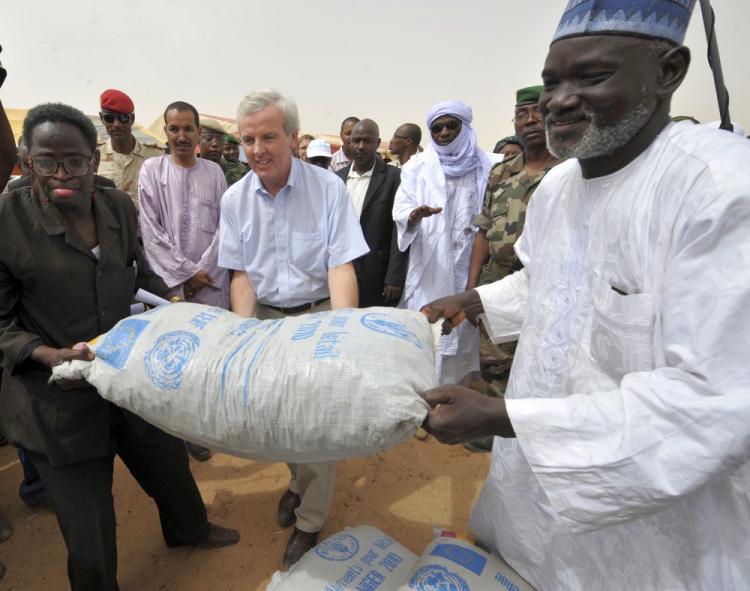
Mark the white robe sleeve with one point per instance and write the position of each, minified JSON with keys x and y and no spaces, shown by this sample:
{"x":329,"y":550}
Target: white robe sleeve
{"x":404,"y":203}
{"x":614,"y":456}
{"x":504,"y":305}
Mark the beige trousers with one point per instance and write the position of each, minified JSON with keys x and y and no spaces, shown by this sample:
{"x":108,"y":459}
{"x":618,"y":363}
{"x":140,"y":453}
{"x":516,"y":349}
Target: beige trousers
{"x":315,"y":482}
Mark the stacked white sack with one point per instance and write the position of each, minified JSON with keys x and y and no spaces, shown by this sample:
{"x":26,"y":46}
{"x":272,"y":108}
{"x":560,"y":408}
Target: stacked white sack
{"x":359,"y":558}
{"x":310,"y":388}
{"x":363,"y":558}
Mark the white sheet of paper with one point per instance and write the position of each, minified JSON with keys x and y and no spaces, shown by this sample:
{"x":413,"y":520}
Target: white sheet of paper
{"x":146,"y":297}
{"x":137,"y":309}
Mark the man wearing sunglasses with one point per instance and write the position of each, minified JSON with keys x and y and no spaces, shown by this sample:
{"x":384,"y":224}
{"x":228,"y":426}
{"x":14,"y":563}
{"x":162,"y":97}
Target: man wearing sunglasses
{"x":70,"y":263}
{"x":440,"y":194}
{"x":122,"y":155}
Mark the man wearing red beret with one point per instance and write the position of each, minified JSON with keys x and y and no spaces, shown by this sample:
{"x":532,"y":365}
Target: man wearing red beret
{"x":122,"y":155}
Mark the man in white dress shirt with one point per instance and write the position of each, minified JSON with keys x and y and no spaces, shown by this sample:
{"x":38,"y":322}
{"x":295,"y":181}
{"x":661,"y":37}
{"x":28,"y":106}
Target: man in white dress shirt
{"x":289,"y":235}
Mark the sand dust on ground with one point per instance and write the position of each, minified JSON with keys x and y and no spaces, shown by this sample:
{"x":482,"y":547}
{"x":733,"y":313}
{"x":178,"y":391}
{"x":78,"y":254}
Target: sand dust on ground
{"x":403,"y":491}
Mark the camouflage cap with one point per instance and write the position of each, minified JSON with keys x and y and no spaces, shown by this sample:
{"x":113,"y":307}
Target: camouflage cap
{"x":530,"y":94}
{"x":213,"y":125}
{"x":230,"y":139}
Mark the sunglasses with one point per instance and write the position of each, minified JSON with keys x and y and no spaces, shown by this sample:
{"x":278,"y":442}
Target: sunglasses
{"x":452,"y":125}
{"x":73,"y":165}
{"x":110,"y":118}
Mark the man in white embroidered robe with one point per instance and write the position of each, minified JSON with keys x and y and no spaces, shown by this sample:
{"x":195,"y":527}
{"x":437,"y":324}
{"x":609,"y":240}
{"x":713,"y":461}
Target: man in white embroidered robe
{"x":622,"y":461}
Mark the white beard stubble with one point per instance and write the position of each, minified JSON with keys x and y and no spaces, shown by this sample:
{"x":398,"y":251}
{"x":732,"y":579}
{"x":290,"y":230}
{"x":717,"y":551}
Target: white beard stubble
{"x":599,"y":141}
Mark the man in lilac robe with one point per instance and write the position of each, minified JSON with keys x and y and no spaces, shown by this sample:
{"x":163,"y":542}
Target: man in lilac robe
{"x":179,"y":196}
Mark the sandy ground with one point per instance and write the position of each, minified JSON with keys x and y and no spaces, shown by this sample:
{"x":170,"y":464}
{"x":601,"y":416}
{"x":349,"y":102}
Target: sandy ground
{"x":403,"y":491}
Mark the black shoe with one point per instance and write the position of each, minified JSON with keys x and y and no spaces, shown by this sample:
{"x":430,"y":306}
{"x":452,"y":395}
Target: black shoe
{"x":219,"y":537}
{"x":481,"y":444}
{"x":288,"y":502}
{"x":299,"y":543}
{"x":198,"y":452}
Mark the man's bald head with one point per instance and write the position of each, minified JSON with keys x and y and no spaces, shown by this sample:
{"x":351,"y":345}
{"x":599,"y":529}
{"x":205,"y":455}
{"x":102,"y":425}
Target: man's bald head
{"x":367,"y":125}
{"x":410,"y":131}
{"x":364,"y":145}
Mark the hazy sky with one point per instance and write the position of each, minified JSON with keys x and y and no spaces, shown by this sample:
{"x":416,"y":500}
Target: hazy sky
{"x":388,"y":60}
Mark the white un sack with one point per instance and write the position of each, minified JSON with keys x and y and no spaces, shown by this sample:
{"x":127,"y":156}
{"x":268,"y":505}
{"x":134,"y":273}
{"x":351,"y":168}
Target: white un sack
{"x":312,"y":388}
{"x":363,"y":558}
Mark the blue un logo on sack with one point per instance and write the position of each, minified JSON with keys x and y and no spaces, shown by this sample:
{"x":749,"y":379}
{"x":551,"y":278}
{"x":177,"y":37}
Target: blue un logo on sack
{"x":383,"y":324}
{"x":340,"y":547}
{"x":119,"y":342}
{"x":167,"y":360}
{"x":434,"y":577}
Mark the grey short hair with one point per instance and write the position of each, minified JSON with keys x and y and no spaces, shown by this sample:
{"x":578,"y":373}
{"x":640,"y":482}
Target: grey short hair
{"x":260,"y":99}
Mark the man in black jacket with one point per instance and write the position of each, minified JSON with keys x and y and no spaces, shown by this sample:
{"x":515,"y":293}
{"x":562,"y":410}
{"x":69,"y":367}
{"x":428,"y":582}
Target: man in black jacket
{"x":372,"y":186}
{"x":70,"y":263}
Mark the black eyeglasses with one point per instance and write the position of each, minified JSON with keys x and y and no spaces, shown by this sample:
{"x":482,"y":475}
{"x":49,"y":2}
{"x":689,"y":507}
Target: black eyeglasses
{"x":73,"y":165}
{"x":110,"y":118}
{"x":451,"y":125}
{"x":403,"y":137}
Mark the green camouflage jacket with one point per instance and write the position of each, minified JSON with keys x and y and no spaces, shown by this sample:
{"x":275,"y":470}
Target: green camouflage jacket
{"x":503,"y":214}
{"x":233,"y":171}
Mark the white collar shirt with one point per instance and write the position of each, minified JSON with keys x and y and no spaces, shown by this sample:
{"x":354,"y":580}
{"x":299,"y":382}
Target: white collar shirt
{"x":357,"y":185}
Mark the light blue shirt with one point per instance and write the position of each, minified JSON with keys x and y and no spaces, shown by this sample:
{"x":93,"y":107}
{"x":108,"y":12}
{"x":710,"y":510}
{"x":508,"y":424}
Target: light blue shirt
{"x":287,"y":243}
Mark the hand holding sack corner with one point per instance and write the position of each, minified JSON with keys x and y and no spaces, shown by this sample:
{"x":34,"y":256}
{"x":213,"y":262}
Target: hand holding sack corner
{"x":311,"y":388}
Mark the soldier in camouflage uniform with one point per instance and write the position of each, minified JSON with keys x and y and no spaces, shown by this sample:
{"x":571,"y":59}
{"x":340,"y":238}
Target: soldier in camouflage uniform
{"x":212,"y":148}
{"x":500,"y":223}
{"x":231,"y":148}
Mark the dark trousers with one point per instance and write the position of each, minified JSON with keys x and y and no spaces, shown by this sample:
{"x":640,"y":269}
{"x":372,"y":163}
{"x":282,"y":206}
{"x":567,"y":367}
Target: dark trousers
{"x":31,"y":490}
{"x":82,"y":497}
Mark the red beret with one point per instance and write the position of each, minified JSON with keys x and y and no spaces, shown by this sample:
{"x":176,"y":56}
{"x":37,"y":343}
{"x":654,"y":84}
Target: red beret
{"x":116,"y":100}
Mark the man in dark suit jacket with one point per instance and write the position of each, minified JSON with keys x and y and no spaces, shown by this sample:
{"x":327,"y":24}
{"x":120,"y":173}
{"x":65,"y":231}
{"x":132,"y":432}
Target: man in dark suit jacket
{"x":69,"y":264}
{"x":372,"y":186}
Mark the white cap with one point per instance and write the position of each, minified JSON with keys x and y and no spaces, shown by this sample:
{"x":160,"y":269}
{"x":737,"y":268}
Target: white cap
{"x":318,"y":149}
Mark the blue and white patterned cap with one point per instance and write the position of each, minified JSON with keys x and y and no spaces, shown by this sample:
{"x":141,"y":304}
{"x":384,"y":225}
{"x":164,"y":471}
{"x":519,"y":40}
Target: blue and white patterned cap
{"x":659,"y":19}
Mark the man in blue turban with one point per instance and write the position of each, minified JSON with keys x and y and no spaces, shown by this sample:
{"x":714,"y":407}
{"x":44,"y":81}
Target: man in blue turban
{"x":623,"y":452}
